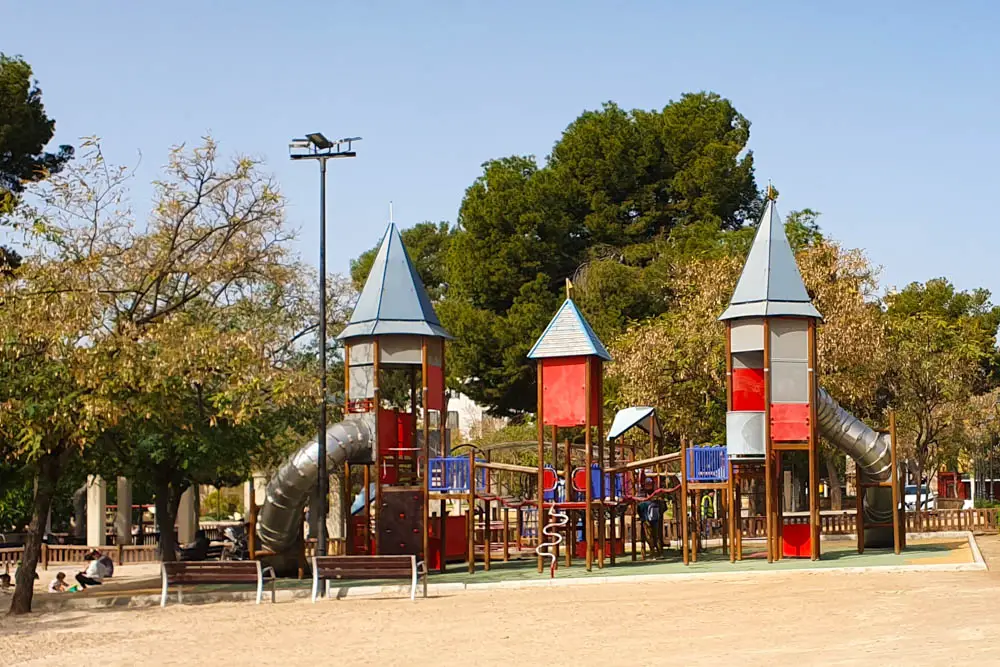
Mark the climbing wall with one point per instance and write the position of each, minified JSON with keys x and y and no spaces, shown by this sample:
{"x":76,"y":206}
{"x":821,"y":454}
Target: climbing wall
{"x":400,"y":522}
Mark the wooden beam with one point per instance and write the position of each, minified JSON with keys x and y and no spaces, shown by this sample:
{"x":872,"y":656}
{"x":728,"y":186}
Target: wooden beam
{"x":540,"y":522}
{"x":589,"y":459}
{"x":642,"y":463}
{"x":425,"y":449}
{"x":894,"y":478}
{"x":684,"y":502}
{"x":768,"y":466}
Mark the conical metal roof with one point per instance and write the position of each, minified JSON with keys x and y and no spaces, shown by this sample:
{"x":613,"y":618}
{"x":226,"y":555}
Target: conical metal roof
{"x":568,"y":335}
{"x":770,"y":284}
{"x":394,"y":300}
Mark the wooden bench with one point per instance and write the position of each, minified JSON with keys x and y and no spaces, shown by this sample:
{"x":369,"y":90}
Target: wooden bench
{"x":192,"y":573}
{"x":325,"y":568}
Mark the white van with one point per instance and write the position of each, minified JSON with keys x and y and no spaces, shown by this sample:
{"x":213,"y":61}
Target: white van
{"x":910,"y":498}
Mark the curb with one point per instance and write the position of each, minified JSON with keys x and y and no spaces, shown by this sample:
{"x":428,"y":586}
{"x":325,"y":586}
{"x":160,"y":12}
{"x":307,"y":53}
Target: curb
{"x":126,"y":601}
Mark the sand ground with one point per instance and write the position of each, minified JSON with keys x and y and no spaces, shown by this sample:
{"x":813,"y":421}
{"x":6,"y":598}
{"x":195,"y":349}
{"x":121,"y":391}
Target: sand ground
{"x":789,"y":618}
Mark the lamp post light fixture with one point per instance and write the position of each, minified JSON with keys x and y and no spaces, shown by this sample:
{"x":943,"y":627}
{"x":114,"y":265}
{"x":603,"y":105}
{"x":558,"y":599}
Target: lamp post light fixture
{"x":317,"y":147}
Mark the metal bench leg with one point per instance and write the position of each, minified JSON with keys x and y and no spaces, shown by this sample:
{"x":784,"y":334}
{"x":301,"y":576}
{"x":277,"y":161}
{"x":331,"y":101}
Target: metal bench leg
{"x":260,"y":587}
{"x":326,"y":593}
{"x":163,"y":594}
{"x":413,"y":583}
{"x":180,"y":595}
{"x":315,"y":591}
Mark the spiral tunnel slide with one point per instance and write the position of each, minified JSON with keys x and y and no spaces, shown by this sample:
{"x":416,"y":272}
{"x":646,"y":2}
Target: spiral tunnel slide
{"x":872,"y":452}
{"x":288,"y":491}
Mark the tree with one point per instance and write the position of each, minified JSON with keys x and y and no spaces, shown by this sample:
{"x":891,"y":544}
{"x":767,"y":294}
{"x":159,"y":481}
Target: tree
{"x":615,"y":186}
{"x":172,"y":348}
{"x":25,"y":130}
{"x":933,"y":368}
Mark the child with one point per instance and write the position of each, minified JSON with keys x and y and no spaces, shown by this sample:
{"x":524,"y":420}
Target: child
{"x":58,"y":585}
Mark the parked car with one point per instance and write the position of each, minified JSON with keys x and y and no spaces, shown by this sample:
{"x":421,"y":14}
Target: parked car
{"x":910,"y":498}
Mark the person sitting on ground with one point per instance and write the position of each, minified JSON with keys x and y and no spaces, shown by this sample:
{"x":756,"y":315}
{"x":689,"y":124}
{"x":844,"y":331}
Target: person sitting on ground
{"x":95,"y":572}
{"x":197,"y":550}
{"x":58,"y":585}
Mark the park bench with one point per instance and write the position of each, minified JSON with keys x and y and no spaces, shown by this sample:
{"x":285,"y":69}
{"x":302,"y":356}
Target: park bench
{"x":326,"y":568}
{"x":192,"y":573}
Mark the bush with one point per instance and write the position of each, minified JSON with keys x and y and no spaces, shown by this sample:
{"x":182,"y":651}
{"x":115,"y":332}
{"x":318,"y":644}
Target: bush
{"x":231,"y":503}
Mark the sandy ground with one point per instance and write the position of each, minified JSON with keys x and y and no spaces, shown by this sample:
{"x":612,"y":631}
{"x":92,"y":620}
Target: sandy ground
{"x":794,"y":618}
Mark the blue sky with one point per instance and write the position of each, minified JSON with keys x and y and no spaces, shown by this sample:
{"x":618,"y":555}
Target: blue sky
{"x":881,"y":115}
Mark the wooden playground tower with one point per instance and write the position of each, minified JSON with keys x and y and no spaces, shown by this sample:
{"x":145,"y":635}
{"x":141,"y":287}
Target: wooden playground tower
{"x":772,"y":393}
{"x":569,"y":360}
{"x":394,"y":329}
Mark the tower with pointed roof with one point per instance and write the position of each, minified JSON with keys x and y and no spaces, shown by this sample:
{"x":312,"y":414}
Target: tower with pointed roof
{"x":771,"y":381}
{"x":394,"y":329}
{"x":569,"y":359}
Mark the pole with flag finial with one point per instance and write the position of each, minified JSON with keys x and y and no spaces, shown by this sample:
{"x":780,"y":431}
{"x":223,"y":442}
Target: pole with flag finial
{"x":569,"y":288}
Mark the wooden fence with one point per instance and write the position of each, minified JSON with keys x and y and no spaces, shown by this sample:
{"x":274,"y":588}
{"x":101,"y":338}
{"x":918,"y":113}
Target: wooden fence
{"x":68,"y":553}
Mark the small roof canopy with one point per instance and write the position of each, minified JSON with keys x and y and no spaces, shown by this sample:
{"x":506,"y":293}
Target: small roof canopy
{"x":568,"y":335}
{"x":770,"y":284}
{"x":642,"y":417}
{"x":394,"y":300}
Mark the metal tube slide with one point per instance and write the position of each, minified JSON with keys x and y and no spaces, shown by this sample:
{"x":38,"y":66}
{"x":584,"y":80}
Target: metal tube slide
{"x":288,"y":491}
{"x":871,"y":450}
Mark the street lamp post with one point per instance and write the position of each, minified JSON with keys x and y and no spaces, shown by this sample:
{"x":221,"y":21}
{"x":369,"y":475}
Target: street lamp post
{"x":317,"y":147}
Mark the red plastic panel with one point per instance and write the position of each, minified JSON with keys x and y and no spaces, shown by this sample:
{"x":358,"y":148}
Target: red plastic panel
{"x":748,"y":389}
{"x":404,"y":430}
{"x":549,"y":479}
{"x":796,"y":542}
{"x":564,"y":387}
{"x":435,"y":387}
{"x":789,"y":422}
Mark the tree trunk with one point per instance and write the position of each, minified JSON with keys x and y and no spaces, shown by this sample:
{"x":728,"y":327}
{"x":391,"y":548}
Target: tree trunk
{"x":45,"y":489}
{"x":80,"y":512}
{"x":917,"y":506}
{"x":167,"y":501}
{"x":833,"y":479}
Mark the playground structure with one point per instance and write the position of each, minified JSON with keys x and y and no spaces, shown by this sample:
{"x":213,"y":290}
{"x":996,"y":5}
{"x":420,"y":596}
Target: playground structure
{"x":775,"y":407}
{"x":419,"y":496}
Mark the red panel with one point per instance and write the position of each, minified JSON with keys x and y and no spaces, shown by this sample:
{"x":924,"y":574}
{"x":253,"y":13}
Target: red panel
{"x":455,"y":536}
{"x":435,"y":387}
{"x":564,"y":383}
{"x":596,"y":375}
{"x":549,"y":479}
{"x":796,"y":542}
{"x":748,"y":389}
{"x":388,"y":430}
{"x":789,"y":422}
{"x":404,"y":430}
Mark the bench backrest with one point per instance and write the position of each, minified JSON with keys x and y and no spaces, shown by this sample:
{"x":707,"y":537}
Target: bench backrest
{"x":212,"y":572}
{"x":333,"y":567}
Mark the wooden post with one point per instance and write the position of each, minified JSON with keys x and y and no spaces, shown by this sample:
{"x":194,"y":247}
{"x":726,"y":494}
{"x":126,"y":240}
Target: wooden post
{"x":443,"y":446}
{"x":684,"y":503}
{"x":540,"y":524}
{"x":487,"y":538}
{"x":378,"y":453}
{"x":472,"y":512}
{"x":894,"y":480}
{"x":768,"y":464}
{"x":425,"y":450}
{"x":443,"y":511}
{"x":506,"y":528}
{"x":555,"y":467}
{"x":345,"y":502}
{"x":602,"y":527}
{"x":367,"y":511}
{"x":635,"y":507}
{"x":860,"y":517}
{"x":814,"y":525}
{"x":568,"y":485}
{"x":251,"y":529}
{"x":588,"y":461}
{"x":613,"y":494}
